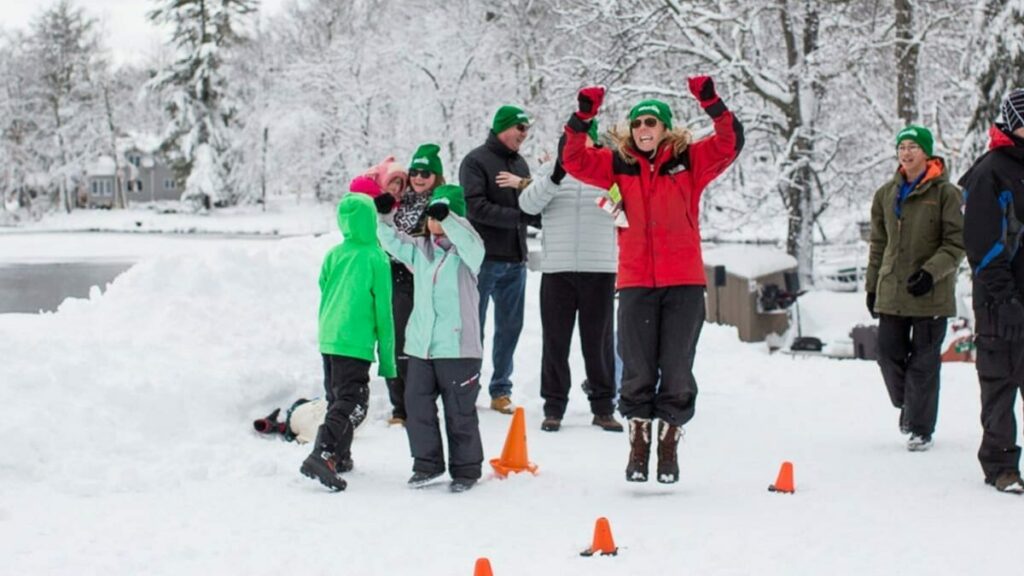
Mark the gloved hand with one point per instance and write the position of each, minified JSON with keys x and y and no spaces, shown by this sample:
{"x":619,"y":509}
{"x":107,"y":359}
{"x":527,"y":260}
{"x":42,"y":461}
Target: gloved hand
{"x":1010,"y":319}
{"x":871,"y":305}
{"x":558,"y":173}
{"x":438,"y":211}
{"x":385,"y":203}
{"x":590,"y":99}
{"x":703,"y":89}
{"x":919,"y":283}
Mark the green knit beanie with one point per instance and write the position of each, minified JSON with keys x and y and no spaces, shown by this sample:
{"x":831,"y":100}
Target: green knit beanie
{"x":453,"y":196}
{"x":426,"y":158}
{"x":655,"y":108}
{"x":508,"y":116}
{"x":919,"y":135}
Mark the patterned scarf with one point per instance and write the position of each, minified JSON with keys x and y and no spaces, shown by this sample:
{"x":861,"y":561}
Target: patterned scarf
{"x":411,"y":215}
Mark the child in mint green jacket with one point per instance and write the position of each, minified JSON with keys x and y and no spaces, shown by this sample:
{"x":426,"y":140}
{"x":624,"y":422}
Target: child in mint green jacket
{"x":442,"y":338}
{"x":355,"y":318}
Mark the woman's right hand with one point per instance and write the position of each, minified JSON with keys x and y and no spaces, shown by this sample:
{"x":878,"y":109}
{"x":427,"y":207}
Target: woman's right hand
{"x":589,"y":99}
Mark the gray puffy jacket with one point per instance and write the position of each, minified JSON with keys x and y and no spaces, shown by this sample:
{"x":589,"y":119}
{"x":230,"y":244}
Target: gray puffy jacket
{"x":578,"y":236}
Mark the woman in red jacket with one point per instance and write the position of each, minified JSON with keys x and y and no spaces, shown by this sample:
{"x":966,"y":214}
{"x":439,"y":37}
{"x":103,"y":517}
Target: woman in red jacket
{"x":660,"y":174}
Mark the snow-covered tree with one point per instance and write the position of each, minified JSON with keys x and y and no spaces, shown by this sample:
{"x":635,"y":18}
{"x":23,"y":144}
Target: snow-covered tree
{"x":195,"y":88}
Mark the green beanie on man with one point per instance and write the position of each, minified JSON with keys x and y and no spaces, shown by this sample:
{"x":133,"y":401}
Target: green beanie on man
{"x":919,"y":135}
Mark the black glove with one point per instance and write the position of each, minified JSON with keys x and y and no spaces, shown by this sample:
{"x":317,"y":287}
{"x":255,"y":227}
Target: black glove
{"x":871,"y":305}
{"x":919,"y":283}
{"x":558,"y":173}
{"x":1010,"y":319}
{"x":385,"y":203}
{"x":438,"y":211}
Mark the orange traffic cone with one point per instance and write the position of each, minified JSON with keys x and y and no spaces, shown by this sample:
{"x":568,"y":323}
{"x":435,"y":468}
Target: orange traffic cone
{"x":603,"y":541}
{"x":513,"y":456}
{"x":483,"y":567}
{"x":784,"y":483}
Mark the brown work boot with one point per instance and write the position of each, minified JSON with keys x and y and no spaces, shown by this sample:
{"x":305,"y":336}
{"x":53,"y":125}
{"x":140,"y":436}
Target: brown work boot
{"x":607,"y":422}
{"x":1009,"y":481}
{"x":502,"y":404}
{"x":668,"y":444}
{"x":639,"y":449}
{"x":551,"y":424}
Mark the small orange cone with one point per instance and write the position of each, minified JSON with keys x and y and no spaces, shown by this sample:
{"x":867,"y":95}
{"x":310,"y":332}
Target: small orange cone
{"x":513,"y":456}
{"x":784,"y":483}
{"x":603,"y":541}
{"x":483,"y":567}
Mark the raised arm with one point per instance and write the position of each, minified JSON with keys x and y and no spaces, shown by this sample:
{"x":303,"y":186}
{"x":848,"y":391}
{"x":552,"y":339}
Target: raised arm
{"x":710,"y":156}
{"x":590,"y":165}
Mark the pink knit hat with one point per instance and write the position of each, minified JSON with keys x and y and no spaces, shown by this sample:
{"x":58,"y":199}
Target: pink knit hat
{"x":366,"y":185}
{"x":387,"y":171}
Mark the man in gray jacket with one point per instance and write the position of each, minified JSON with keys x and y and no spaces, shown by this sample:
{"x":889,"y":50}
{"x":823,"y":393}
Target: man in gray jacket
{"x":578,"y":268}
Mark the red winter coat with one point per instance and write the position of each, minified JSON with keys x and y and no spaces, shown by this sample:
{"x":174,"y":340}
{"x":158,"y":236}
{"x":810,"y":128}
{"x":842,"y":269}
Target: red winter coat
{"x":661,"y":246}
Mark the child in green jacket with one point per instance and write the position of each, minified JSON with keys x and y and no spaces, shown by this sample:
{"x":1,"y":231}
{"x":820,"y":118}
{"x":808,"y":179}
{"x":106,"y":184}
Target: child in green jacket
{"x":442,"y":338}
{"x":355,"y":317}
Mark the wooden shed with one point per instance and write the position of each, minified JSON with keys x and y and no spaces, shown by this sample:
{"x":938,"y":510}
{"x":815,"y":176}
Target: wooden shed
{"x":750,"y":287}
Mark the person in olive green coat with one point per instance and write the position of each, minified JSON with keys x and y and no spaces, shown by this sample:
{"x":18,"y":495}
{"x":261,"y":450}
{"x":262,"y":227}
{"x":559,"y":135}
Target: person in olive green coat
{"x":355,"y":317}
{"x":916,"y":248}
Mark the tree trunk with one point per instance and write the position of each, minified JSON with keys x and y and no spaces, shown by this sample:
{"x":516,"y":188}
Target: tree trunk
{"x":907,"y":51}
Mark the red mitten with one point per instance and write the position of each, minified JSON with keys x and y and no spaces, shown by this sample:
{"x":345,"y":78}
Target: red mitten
{"x":703,"y":89}
{"x":589,"y":99}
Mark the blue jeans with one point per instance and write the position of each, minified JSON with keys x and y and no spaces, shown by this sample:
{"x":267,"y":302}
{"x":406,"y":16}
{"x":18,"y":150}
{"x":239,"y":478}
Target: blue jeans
{"x":506,"y":283}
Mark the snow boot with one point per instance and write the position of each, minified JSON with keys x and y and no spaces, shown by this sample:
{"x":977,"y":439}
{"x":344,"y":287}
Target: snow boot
{"x":639,"y":449}
{"x":551,"y":424}
{"x":461,"y":484}
{"x":607,"y":422}
{"x":1009,"y":482}
{"x":668,"y":445}
{"x":322,"y":466}
{"x":919,"y":442}
{"x":421,"y":479}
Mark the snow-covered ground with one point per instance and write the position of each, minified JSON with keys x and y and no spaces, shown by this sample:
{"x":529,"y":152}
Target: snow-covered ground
{"x":284,"y":216}
{"x":128,"y":449}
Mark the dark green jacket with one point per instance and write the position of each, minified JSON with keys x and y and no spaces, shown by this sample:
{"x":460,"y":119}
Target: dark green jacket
{"x":929,"y":236}
{"x":355,"y":290}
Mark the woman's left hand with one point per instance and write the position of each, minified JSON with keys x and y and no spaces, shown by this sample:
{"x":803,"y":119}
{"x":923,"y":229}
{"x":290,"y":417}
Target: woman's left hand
{"x":508,"y":180}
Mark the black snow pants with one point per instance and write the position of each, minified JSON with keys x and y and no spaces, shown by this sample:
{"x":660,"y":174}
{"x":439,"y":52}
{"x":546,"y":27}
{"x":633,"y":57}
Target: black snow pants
{"x":457,"y":382}
{"x":658,"y":333}
{"x":347,"y":391}
{"x":1000,"y":366}
{"x":401,"y":307}
{"x":590,"y":296}
{"x":910,"y":356}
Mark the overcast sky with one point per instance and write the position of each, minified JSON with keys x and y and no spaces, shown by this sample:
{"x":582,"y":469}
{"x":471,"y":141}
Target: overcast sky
{"x":129,"y":34}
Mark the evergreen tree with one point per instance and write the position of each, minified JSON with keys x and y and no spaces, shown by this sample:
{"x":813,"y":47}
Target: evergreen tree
{"x":195,"y":89}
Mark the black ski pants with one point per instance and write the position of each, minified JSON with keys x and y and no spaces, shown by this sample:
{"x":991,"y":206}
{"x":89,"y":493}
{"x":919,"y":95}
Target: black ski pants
{"x":401,"y":308}
{"x":658,"y":333}
{"x":347,"y":391}
{"x":1000,"y":366}
{"x":910,"y":356}
{"x":457,"y":382}
{"x":591,"y":297}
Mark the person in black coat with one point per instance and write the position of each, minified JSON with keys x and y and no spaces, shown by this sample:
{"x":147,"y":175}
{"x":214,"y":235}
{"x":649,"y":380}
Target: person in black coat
{"x":493,"y":203}
{"x":993,"y":212}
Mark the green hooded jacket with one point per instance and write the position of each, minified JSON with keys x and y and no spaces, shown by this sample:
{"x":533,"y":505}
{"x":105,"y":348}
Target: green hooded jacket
{"x":929,"y":236}
{"x":355,"y":290}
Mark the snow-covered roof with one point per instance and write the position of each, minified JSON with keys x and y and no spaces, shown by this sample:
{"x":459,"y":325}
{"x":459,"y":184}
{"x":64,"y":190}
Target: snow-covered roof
{"x":749,"y":261}
{"x":103,"y":166}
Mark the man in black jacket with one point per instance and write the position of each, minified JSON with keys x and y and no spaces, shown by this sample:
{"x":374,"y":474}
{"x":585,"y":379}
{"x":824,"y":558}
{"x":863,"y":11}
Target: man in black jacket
{"x":994,"y":191}
{"x":493,"y":203}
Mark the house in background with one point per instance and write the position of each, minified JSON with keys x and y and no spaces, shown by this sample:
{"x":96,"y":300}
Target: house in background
{"x":143,"y":172}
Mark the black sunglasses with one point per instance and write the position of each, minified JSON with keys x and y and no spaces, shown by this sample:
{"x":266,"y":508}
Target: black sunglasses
{"x":649,"y":122}
{"x":522,"y":127}
{"x":418,"y":173}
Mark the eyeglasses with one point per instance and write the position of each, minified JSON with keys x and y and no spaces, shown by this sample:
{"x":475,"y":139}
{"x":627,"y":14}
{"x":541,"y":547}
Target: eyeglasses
{"x":418,"y":173}
{"x":649,"y":122}
{"x":523,"y":127}
{"x":908,"y":147}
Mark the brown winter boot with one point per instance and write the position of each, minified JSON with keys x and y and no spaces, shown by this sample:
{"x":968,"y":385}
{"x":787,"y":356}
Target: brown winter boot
{"x":668,"y":443}
{"x":639,"y":449}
